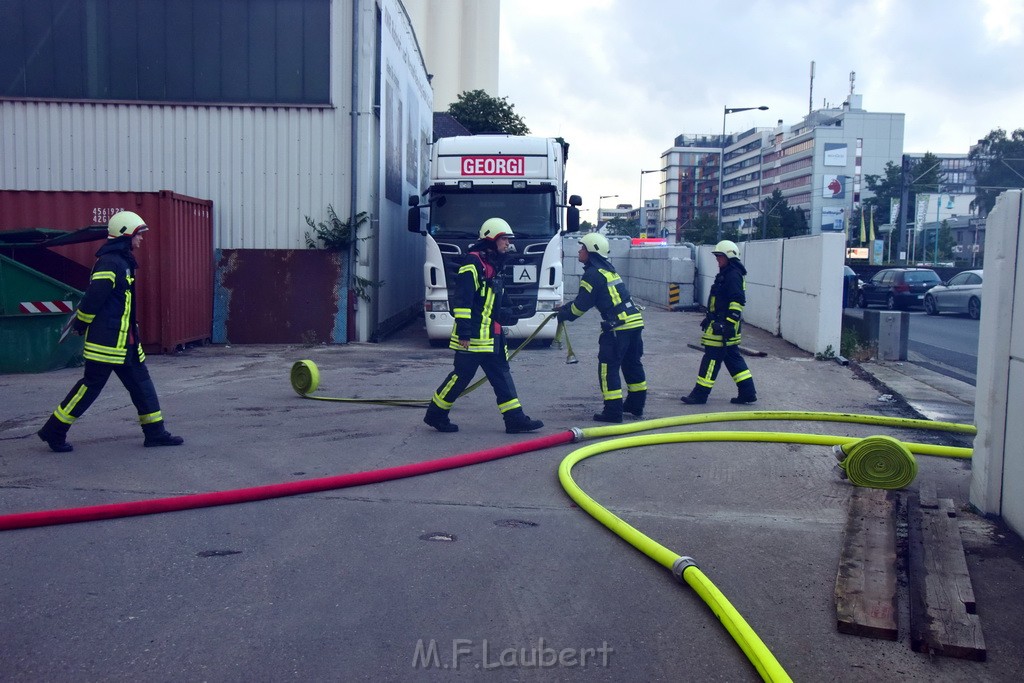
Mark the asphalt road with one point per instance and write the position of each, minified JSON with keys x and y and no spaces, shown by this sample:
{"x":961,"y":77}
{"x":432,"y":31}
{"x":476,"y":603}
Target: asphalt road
{"x":947,"y":344}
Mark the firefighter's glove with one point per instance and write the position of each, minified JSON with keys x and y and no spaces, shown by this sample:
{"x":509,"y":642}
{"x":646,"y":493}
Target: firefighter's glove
{"x":564,"y":314}
{"x":79,"y":326}
{"x":705,"y":322}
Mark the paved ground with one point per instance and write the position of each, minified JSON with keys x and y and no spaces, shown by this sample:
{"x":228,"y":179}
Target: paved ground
{"x":483,"y":561}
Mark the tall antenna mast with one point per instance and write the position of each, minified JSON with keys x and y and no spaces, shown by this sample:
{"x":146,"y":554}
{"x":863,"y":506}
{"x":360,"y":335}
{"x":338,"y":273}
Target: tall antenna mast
{"x":853,"y":77}
{"x":810,"y":98}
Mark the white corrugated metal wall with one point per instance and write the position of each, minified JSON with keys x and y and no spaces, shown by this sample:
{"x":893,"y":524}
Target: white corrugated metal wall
{"x":265,"y":168}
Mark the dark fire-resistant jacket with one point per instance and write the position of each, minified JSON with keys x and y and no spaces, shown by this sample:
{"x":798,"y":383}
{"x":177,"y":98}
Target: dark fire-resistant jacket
{"x":477,"y":308}
{"x":108,"y":307}
{"x":725,"y":306}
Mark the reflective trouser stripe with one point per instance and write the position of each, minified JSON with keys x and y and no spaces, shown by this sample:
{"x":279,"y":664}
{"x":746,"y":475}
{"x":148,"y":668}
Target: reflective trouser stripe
{"x":608,"y":393}
{"x":742,"y":375}
{"x":639,"y":386}
{"x":445,"y":389}
{"x":707,"y":375}
{"x":150,"y":418}
{"x":509,"y":405}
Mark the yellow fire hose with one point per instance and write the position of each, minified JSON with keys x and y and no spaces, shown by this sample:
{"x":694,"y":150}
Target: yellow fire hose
{"x":878,"y":461}
{"x":305,"y":376}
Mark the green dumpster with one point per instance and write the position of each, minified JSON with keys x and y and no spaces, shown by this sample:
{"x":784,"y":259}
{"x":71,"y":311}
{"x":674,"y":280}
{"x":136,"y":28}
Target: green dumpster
{"x":33,"y":310}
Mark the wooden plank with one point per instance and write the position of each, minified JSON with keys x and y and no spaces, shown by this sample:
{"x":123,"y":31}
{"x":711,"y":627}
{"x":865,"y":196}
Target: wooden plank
{"x":865,"y":590}
{"x":947,"y":506}
{"x":929,"y":499}
{"x":942,"y":605}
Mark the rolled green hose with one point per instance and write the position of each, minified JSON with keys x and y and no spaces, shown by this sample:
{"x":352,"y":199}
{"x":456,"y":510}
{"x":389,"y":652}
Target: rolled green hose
{"x":879,"y":462}
{"x":305,"y":378}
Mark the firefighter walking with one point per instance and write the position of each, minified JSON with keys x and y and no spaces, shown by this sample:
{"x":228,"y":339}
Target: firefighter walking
{"x":722,"y":330}
{"x":478,"y":338}
{"x":621,"y":344}
{"x":107,"y":318}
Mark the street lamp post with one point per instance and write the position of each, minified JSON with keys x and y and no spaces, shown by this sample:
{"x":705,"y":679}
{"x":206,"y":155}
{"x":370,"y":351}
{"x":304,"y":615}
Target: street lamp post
{"x":604,"y":196}
{"x":721,"y":158}
{"x":643,"y":214}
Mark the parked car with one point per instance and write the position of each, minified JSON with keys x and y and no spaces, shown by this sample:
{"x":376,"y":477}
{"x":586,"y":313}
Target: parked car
{"x":962,"y":294}
{"x":851,"y":285}
{"x":898,"y":287}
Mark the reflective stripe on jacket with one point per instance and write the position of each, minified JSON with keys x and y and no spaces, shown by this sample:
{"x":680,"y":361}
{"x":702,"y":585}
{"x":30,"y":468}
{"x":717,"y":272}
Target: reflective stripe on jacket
{"x":108,"y":306}
{"x":602,"y":287}
{"x":725,"y":305}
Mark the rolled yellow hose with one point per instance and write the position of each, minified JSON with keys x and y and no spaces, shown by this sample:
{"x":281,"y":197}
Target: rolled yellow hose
{"x":305,"y":377}
{"x":879,"y":462}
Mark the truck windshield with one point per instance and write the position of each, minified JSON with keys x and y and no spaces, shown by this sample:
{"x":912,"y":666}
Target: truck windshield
{"x":459,"y":214}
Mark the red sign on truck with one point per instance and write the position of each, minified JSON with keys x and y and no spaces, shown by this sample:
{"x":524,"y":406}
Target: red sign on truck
{"x":492,"y":165}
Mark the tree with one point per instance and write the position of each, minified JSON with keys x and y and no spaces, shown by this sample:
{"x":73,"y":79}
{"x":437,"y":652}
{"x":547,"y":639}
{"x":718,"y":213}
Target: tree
{"x":701,"y":230}
{"x":587,"y":226}
{"x":780,"y":219}
{"x":924,"y":176}
{"x":623,"y":226}
{"x":481,"y":113}
{"x":998,"y":165}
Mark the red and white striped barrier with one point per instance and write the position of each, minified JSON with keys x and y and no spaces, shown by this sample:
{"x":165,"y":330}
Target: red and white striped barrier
{"x":45,"y":307}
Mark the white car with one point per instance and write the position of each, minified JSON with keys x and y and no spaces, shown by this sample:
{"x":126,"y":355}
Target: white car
{"x":962,"y":294}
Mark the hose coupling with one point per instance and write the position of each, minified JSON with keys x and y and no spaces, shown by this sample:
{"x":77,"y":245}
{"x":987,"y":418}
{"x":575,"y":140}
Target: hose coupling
{"x":838,"y":451}
{"x":577,"y":435}
{"x":680,"y":566}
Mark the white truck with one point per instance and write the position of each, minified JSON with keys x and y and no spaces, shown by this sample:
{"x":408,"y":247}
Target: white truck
{"x":476,"y":177}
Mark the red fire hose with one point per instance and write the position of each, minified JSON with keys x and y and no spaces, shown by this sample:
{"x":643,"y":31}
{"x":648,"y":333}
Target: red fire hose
{"x":154,"y":506}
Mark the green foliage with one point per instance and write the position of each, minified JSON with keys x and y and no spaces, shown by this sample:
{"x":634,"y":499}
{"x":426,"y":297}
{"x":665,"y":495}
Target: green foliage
{"x":828,"y":354}
{"x":623,"y":226}
{"x":780,"y":219}
{"x":853,"y":347}
{"x":334,"y":233}
{"x":701,"y":230}
{"x":481,"y":113}
{"x":924,"y":176}
{"x":999,"y":165}
{"x":337,"y":235}
{"x":587,"y":226}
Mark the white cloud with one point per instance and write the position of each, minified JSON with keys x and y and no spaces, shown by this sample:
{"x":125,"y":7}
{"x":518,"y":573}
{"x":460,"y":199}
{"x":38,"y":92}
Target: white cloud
{"x":619,"y":79}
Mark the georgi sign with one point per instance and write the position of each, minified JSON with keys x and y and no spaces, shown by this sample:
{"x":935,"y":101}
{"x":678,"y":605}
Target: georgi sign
{"x":492,"y":165}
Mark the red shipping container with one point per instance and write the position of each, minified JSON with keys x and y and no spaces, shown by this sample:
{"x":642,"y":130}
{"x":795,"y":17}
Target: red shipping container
{"x":175,"y":279}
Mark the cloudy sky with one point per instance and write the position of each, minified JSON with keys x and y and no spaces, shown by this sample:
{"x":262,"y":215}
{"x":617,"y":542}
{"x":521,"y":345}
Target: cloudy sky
{"x":619,"y":79}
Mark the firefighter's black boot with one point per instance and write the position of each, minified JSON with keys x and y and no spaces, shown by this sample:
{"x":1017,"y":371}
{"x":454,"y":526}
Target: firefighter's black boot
{"x":438,"y":419}
{"x":518,"y":422}
{"x":157,"y":435}
{"x":634,"y":403}
{"x":747,"y":393}
{"x":55,"y":433}
{"x":697,"y":396}
{"x":612,"y":412}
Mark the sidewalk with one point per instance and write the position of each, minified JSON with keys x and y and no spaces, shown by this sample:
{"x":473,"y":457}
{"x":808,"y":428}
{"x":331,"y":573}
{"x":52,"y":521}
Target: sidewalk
{"x":346,"y":584}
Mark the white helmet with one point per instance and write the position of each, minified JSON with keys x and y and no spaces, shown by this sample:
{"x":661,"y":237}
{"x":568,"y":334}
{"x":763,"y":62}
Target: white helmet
{"x":727,"y":249}
{"x":125,"y":224}
{"x":596,"y":243}
{"x":493,"y":228}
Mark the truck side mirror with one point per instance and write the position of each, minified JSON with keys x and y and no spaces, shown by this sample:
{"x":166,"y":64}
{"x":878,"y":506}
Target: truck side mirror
{"x":572,"y":218}
{"x":575,"y":200}
{"x":414,"y":200}
{"x":414,"y":224}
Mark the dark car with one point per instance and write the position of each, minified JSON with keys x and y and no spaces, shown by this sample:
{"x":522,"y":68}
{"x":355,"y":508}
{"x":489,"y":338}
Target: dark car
{"x":898,"y":287}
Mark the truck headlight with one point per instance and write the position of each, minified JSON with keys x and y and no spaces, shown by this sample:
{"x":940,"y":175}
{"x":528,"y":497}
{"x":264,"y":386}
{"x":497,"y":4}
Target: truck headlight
{"x":436,"y":306}
{"x":547,"y":305}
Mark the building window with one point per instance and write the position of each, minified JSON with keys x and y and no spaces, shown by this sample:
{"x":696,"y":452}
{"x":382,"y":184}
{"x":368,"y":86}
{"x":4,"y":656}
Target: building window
{"x":267,"y":51}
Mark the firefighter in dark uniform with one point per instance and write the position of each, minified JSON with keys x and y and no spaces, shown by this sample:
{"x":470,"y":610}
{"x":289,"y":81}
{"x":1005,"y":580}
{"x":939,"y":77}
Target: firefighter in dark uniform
{"x":721,"y":326}
{"x":107,"y":318}
{"x":621,"y":343}
{"x":477,"y":336}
